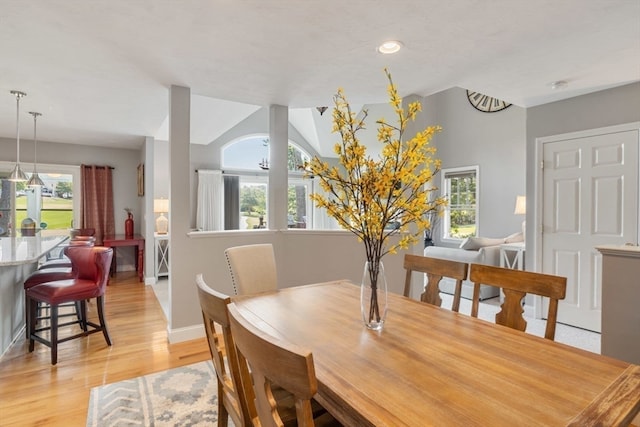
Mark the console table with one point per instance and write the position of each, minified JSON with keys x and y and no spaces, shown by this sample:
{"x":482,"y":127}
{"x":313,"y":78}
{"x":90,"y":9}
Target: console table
{"x":162,"y":255}
{"x":512,"y":249}
{"x":118,"y":240}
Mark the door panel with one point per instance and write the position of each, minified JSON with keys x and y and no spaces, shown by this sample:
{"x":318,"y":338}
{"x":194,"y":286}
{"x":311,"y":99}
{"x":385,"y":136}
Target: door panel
{"x":590,"y":198}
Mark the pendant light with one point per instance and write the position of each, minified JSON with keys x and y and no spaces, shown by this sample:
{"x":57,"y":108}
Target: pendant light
{"x":16,"y":174}
{"x":35,"y":180}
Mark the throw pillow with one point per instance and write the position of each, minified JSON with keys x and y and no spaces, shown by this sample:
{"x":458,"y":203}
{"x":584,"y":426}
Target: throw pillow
{"x":514,"y":238}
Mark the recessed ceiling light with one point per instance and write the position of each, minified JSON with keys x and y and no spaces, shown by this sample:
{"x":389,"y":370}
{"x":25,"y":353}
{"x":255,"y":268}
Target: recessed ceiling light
{"x":560,"y":84}
{"x":391,"y":46}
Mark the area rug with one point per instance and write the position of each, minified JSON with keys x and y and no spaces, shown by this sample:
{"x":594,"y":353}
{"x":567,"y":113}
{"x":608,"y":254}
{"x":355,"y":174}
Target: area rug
{"x":185,"y":396}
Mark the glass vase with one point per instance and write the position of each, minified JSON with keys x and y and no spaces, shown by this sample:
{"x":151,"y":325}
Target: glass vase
{"x":373,"y":295}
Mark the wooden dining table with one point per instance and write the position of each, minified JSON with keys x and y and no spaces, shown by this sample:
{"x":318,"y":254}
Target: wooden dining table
{"x":429,"y":366}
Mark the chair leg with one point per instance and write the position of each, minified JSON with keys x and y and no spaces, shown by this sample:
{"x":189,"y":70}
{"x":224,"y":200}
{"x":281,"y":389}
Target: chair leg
{"x":54,"y":334}
{"x":103,"y":324}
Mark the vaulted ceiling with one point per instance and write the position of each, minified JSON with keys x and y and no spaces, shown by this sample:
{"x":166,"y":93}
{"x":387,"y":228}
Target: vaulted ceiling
{"x":100,"y":70}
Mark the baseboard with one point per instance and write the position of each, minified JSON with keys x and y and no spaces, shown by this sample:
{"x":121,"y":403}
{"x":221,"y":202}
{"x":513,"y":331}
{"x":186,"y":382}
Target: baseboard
{"x":185,"y":334}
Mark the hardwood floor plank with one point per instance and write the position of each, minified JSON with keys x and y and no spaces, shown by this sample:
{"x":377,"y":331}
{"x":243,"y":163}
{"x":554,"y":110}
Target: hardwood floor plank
{"x":35,"y":393}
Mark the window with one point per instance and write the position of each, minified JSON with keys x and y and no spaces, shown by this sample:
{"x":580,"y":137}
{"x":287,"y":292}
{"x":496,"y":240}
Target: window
{"x":253,"y":203}
{"x":461,"y":215}
{"x":53,"y":206}
{"x":299,"y":209}
{"x":248,"y":160}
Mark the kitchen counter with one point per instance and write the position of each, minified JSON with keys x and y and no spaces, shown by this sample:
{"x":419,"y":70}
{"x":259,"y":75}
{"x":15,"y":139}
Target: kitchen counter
{"x":26,"y":249}
{"x":18,"y":259}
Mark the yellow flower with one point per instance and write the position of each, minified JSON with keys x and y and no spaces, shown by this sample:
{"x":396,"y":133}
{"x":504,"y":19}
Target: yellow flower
{"x":375,"y":199}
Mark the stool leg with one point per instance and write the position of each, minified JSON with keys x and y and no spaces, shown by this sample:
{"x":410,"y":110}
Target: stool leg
{"x":54,"y":334}
{"x":27,"y":314}
{"x":78,"y":311}
{"x":103,"y":324}
{"x":31,"y":322}
{"x":81,"y":308}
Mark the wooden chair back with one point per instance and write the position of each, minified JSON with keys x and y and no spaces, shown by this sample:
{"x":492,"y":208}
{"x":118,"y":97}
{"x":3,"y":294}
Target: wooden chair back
{"x":515,"y":285}
{"x":435,"y":270}
{"x":273,"y":361}
{"x":232,"y":399}
{"x":252,"y":268}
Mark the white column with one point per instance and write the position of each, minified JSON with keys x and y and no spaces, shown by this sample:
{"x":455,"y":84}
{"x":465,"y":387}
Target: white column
{"x":278,"y":173}
{"x":181,"y":277}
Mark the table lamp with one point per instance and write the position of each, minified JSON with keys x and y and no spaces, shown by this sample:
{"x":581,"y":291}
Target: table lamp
{"x":521,"y":209}
{"x":161,"y":206}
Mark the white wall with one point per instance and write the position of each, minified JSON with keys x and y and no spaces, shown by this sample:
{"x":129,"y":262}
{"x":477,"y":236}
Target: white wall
{"x":495,"y":142}
{"x":302,"y":257}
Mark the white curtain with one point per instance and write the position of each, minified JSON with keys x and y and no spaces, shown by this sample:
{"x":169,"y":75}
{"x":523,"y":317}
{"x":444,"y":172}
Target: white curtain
{"x":209,"y":216}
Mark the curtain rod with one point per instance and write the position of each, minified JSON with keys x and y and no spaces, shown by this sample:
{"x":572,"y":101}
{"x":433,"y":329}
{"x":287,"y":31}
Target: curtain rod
{"x":97,"y":167}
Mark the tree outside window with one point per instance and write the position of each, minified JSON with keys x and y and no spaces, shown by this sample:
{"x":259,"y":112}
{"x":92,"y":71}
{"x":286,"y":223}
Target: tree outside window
{"x":460,"y":187}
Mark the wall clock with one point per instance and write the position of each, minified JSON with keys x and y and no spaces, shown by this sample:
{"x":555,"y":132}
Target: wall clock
{"x":486,"y":103}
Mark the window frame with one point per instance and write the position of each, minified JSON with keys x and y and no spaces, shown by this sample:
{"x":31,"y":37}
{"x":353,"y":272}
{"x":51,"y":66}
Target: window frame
{"x":46,"y":168}
{"x":445,"y":189}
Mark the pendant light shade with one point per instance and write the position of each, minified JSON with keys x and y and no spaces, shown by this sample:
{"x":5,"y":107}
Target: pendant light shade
{"x":35,"y":180}
{"x":16,"y":174}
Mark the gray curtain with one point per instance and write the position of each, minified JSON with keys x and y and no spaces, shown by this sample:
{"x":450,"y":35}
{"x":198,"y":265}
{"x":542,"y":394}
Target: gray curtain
{"x":231,"y":202}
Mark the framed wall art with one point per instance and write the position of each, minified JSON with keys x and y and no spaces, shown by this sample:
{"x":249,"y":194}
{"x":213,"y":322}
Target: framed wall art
{"x":141,"y":179}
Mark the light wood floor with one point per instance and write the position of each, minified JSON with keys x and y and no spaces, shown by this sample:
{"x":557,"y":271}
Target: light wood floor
{"x":33,"y":392}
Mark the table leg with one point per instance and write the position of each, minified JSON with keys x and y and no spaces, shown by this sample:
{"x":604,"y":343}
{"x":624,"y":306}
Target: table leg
{"x":140,"y":262}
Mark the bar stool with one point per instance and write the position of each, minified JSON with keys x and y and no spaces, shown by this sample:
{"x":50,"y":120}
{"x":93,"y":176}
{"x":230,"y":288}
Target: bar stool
{"x":64,"y":261}
{"x":39,"y":277}
{"x":91,"y":274}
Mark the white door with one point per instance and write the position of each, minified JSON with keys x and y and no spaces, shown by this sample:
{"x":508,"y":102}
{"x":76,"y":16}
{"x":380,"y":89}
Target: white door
{"x":590,"y":198}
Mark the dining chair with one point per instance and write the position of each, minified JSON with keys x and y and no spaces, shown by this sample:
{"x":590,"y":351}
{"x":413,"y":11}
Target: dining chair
{"x":252,"y":268}
{"x":233,"y":402}
{"x":515,"y":284}
{"x":435,"y":269}
{"x":275,"y":361}
{"x":91,"y":275}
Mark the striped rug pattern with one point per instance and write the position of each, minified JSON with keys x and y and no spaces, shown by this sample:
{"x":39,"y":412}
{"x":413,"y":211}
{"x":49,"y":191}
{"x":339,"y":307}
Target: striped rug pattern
{"x":185,"y":396}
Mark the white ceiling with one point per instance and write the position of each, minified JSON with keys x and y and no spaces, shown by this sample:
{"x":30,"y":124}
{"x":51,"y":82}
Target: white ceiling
{"x":100,"y":70}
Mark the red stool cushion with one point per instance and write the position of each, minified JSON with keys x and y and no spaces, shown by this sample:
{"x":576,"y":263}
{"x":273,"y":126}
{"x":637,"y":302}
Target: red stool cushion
{"x":56,"y":263}
{"x":62,"y":291}
{"x":47,"y":275}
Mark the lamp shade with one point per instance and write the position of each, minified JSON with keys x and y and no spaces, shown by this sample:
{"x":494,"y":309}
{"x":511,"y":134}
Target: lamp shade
{"x":521,"y":205}
{"x":35,"y":180}
{"x":161,"y":205}
{"x":17,"y":175}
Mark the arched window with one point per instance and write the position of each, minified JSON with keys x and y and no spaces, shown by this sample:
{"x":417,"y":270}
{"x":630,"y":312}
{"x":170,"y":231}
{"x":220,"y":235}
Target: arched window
{"x":252,"y":153}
